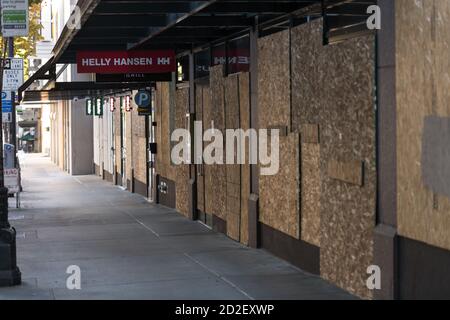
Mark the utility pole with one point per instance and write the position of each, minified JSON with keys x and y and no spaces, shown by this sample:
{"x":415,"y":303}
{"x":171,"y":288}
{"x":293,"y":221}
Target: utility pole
{"x":9,"y":272}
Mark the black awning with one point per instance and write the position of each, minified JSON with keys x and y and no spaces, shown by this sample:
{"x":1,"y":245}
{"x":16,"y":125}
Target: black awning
{"x":185,"y":24}
{"x":46,"y":72}
{"x":81,"y":90}
{"x":182,"y":25}
{"x":178,"y":25}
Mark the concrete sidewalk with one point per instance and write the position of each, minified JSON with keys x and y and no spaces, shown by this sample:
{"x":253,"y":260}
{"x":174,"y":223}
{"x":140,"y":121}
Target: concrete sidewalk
{"x":128,"y":248}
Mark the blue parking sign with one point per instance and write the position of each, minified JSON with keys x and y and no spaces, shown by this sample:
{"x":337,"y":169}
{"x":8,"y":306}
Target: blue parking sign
{"x":143,"y":98}
{"x":6,"y":101}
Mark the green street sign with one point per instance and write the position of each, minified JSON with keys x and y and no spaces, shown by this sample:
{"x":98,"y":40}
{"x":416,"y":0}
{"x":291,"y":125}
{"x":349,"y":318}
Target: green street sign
{"x":98,"y":111}
{"x":89,"y":107}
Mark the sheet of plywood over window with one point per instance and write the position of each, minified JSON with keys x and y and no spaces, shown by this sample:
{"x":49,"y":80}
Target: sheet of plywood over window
{"x":244,"y":105}
{"x":333,"y":94}
{"x":164,"y":165}
{"x":139,"y":145}
{"x":214,"y":115}
{"x":423,"y":120}
{"x":308,"y":117}
{"x":182,"y":170}
{"x":233,"y":178}
{"x":279,"y":194}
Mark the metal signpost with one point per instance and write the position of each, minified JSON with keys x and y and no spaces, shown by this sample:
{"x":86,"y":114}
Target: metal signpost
{"x":14,"y":22}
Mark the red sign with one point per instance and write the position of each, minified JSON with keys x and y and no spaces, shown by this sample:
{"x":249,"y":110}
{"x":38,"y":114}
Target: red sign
{"x":112,"y":104}
{"x":158,"y":61}
{"x":238,"y":59}
{"x":128,"y":104}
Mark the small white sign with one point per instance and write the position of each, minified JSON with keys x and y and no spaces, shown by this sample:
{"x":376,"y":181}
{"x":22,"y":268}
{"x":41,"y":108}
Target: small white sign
{"x":6,"y":117}
{"x":12,"y":180}
{"x":13,"y":76}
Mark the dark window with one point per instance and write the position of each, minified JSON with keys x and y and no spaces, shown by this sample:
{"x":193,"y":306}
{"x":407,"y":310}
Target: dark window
{"x":238,"y":53}
{"x":218,"y":55}
{"x":202,"y":63}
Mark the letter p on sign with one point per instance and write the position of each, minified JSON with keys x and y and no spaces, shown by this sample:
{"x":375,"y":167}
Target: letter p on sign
{"x":143,"y":98}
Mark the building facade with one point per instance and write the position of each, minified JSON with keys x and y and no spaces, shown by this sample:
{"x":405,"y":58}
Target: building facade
{"x":66,"y":128}
{"x":361,"y":117}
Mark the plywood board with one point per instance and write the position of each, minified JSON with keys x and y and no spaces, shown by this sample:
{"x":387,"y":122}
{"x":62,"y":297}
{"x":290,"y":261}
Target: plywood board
{"x":244,"y":105}
{"x":310,"y":193}
{"x":182,"y":171}
{"x":232,"y":121}
{"x":274,"y":80}
{"x":348,"y":171}
{"x":309,"y":133}
{"x":423,"y":79}
{"x":279,"y":194}
{"x":214,"y":114}
{"x":348,"y":211}
{"x":163,"y":131}
{"x":332,"y":87}
{"x":140,"y":159}
{"x":138,"y":143}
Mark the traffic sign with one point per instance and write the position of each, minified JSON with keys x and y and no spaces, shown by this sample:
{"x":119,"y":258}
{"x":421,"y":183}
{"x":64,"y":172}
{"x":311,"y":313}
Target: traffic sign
{"x":6,"y":101}
{"x":12,"y":74}
{"x":14,"y":18}
{"x":6,"y":117}
{"x":143,"y":98}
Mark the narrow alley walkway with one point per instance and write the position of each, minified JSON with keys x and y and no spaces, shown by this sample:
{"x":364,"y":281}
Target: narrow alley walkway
{"x":128,"y":248}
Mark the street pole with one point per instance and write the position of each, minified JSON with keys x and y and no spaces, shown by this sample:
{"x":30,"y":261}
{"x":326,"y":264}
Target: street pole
{"x":9,"y":272}
{"x":12,"y":125}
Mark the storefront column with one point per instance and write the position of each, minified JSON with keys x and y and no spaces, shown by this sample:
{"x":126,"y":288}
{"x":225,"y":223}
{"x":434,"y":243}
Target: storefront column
{"x":385,"y":235}
{"x":253,"y":202}
{"x":192,"y":185}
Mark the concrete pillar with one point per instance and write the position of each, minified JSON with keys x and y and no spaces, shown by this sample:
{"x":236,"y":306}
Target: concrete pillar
{"x":385,"y":235}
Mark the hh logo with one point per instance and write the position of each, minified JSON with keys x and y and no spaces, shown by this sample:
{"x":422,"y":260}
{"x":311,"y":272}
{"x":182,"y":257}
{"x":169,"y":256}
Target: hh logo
{"x":74,"y":280}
